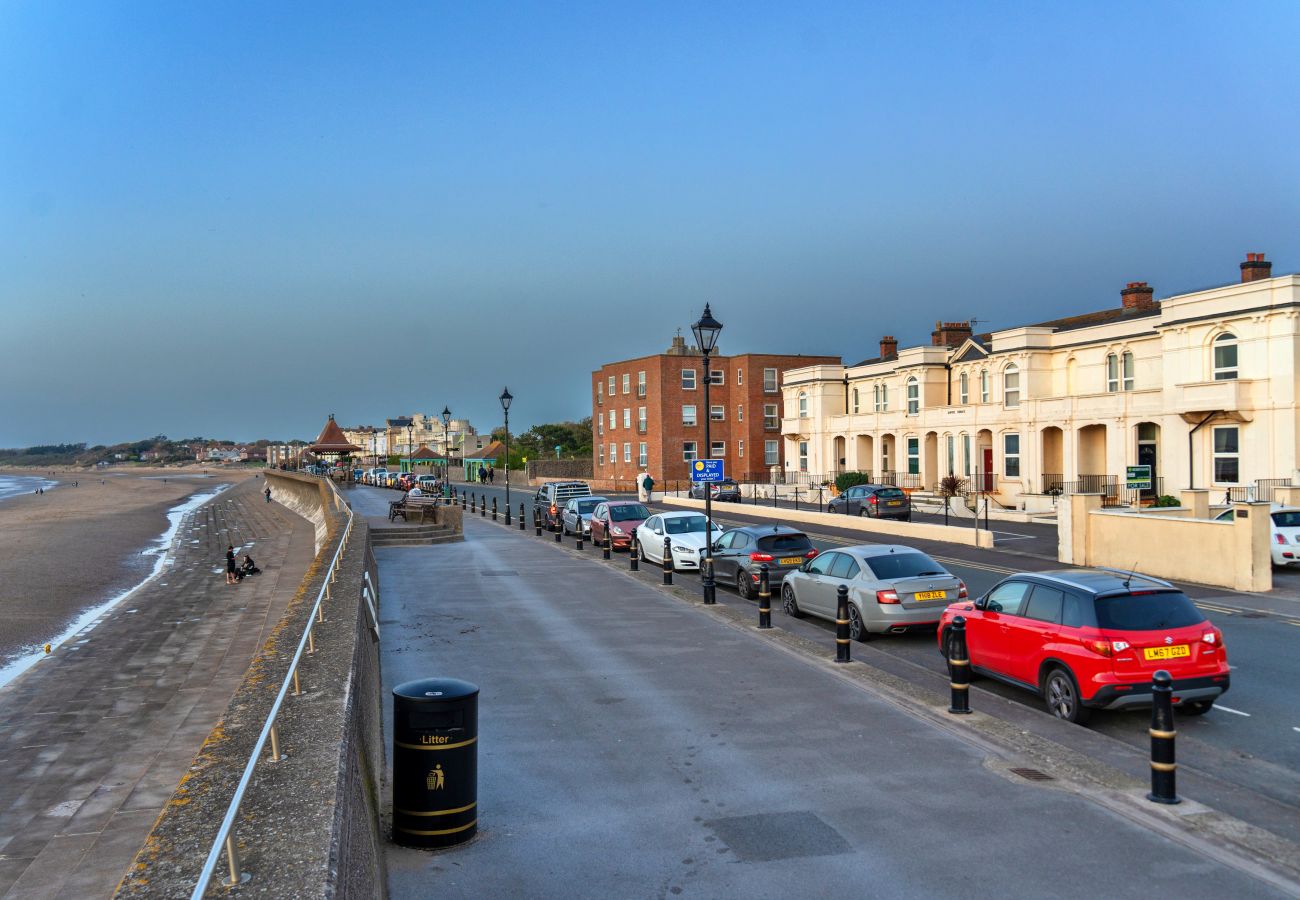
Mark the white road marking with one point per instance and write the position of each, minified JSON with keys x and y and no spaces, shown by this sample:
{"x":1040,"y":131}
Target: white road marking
{"x":1229,"y":709}
{"x":1293,"y":728}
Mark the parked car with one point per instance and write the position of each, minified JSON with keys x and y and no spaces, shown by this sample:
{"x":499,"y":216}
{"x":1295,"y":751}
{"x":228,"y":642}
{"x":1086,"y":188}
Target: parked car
{"x":1087,"y":639}
{"x":739,"y":552}
{"x":876,"y":501}
{"x":686,"y":531}
{"x":726,"y":491}
{"x":892,"y":588}
{"x":429,"y":483}
{"x":617,"y":520}
{"x":577,"y":510}
{"x":1286,"y":533}
{"x":551,"y":497}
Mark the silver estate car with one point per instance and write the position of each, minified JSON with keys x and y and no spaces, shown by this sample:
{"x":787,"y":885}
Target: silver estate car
{"x":892,"y":588}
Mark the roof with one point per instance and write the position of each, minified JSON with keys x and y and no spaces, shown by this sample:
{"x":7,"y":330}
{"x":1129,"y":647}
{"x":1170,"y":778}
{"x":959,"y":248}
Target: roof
{"x":1099,"y":581}
{"x":332,"y":439}
{"x":494,"y":450}
{"x":399,"y":422}
{"x":1101,"y":317}
{"x":423,"y":452}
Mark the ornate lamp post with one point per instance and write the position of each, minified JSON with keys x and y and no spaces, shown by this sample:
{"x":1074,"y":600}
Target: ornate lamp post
{"x":706,"y":332}
{"x":446,"y":449}
{"x":410,"y":449}
{"x":505,"y":408}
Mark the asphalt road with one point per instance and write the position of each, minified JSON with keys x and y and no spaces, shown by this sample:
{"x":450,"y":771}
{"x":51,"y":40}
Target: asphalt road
{"x":1250,"y":741}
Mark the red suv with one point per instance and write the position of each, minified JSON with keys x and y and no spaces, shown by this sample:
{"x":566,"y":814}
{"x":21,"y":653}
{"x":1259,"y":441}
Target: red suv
{"x":1089,"y":639}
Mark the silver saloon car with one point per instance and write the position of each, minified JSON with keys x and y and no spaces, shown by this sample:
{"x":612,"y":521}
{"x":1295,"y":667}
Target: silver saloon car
{"x":891,"y":588}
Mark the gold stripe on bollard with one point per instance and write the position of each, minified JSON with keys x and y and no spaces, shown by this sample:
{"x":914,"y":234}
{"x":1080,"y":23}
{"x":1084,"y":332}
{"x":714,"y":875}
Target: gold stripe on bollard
{"x":1163,"y":767}
{"x":958,"y":687}
{"x":1161,"y":734}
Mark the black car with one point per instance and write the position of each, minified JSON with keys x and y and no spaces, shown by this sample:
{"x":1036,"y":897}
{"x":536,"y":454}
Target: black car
{"x":738,"y":554}
{"x":876,"y":501}
{"x":726,"y":490}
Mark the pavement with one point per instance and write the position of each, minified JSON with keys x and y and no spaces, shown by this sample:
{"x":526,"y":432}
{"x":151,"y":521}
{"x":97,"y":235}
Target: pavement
{"x":632,"y":744}
{"x":95,"y":738}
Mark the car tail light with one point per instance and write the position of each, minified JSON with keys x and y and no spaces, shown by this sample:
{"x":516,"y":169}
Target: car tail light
{"x":886,"y":596}
{"x":1280,"y":538}
{"x":811,"y":554}
{"x":962,"y":593}
{"x":1101,"y":648}
{"x":760,"y":557}
{"x":552,"y":509}
{"x":1214,"y":638}
{"x":874,"y":500}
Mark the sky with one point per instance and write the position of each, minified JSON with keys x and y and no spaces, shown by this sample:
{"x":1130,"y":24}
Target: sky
{"x":233,"y":219}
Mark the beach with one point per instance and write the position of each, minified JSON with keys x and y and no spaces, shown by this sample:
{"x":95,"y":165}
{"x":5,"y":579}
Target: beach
{"x":73,"y":548}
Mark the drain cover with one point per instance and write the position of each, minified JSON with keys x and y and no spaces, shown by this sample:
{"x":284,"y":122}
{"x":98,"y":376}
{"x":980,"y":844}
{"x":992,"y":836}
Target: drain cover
{"x":1033,"y":775}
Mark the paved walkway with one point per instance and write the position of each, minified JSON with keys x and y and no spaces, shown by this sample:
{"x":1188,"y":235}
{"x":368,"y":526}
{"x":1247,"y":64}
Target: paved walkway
{"x":631,"y":745}
{"x":94,"y":740}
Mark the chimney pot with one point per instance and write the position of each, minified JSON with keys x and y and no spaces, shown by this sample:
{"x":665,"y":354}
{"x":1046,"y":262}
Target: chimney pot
{"x":888,"y":347}
{"x":1137,"y":296}
{"x":1256,"y":268}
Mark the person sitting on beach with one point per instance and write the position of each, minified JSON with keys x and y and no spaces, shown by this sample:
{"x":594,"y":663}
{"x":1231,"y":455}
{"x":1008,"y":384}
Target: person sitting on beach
{"x":249,"y":567}
{"x":231,"y":573}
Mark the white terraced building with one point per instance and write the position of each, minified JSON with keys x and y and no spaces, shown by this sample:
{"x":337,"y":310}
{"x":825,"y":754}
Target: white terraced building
{"x":1201,"y":386}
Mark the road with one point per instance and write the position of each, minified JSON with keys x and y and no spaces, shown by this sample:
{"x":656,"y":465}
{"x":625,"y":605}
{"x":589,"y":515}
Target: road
{"x":1250,"y":741}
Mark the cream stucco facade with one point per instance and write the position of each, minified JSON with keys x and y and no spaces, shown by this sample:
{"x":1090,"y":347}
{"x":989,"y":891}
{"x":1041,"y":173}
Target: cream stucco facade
{"x":1200,"y":386}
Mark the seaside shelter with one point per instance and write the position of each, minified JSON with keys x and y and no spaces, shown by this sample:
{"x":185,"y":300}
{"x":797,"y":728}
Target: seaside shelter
{"x":332,"y":445}
{"x":423,"y":459}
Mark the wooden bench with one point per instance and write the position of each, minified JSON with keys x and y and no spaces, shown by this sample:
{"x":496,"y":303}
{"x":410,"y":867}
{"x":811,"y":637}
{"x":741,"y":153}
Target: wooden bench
{"x":425,"y":508}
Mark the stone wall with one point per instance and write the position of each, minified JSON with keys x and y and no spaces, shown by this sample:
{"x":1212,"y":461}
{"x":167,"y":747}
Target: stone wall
{"x":306,"y":495}
{"x":559,"y":469}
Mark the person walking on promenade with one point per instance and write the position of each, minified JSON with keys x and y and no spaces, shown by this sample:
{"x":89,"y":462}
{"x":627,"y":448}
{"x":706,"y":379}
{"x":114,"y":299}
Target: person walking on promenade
{"x":230,"y":565}
{"x":268,"y":493}
{"x":492,"y":474}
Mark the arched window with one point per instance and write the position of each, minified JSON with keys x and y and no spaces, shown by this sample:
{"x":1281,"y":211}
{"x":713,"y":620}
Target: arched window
{"x":913,"y":396}
{"x":1225,"y":357}
{"x":803,"y":404}
{"x":964,"y":392}
{"x":984,"y":385}
{"x":1011,"y":386}
{"x":1112,"y":373}
{"x":1126,"y":368}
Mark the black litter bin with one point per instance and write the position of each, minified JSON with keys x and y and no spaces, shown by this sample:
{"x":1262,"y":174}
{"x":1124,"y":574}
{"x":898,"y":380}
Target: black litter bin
{"x":435,"y":762}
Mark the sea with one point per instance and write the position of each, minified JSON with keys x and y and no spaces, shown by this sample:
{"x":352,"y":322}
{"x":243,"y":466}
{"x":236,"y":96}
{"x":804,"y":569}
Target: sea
{"x":13,"y":485}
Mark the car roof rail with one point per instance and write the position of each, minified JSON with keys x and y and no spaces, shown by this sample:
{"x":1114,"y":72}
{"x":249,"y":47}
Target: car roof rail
{"x":1129,"y":574}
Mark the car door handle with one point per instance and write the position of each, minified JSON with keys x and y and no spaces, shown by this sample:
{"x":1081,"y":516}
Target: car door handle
{"x":1006,"y":629}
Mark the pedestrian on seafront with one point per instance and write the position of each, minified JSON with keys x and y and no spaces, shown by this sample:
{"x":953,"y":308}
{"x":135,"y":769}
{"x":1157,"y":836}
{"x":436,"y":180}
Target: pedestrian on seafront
{"x":268,"y":493}
{"x":230,"y":565}
{"x":492,"y":474}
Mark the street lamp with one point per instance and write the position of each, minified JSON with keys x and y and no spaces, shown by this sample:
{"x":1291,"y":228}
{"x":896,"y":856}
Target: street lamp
{"x":446,"y":450}
{"x":706,"y":332}
{"x":505,"y":408}
{"x":410,"y":450}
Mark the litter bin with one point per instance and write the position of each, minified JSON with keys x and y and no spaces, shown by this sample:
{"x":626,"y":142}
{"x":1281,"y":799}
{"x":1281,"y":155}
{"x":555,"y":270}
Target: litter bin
{"x":435,"y":762}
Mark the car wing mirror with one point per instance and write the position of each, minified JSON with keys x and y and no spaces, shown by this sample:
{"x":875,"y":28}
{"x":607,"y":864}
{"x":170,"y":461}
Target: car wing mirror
{"x":982,"y":603}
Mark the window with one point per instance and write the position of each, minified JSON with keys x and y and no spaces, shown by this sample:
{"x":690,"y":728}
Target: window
{"x":1225,"y":357}
{"x":602,"y":454}
{"x":627,"y":383}
{"x":640,"y":384}
{"x":803,"y":456}
{"x":612,"y":422}
{"x":1011,"y":455}
{"x":855,"y":401}
{"x":984,"y":385}
{"x":717,"y":377}
{"x":914,"y":456}
{"x":1112,"y":373}
{"x":1227,"y":462}
{"x":600,"y":393}
{"x":844,"y":567}
{"x":1011,"y":387}
{"x":1008,"y":597}
{"x":627,"y":453}
{"x":717,"y":412}
{"x":875,"y":397}
{"x":803,"y":404}
{"x":627,"y":417}
{"x":613,"y":454}
{"x":1127,"y":364}
{"x":965,"y":454}
{"x":740,"y":412}
{"x":771,"y":453}
{"x":600,"y":425}
{"x":770,"y":420}
{"x":688,"y":451}
{"x":1045,"y":605}
{"x":688,"y":379}
{"x":718,"y":449}
{"x":769,"y":381}
{"x":611,"y":385}
{"x":640,"y":418}
{"x":740,"y":449}
{"x":913,"y":396}
{"x":688,"y":415}
{"x":884,"y":398}
{"x":952,"y":453}
{"x":642,"y":459}
{"x":963,"y":392}
{"x":740,"y":377}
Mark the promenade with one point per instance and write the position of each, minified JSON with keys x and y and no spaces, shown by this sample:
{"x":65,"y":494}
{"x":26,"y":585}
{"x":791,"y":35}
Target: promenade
{"x":94,"y":739}
{"x":632,"y":744}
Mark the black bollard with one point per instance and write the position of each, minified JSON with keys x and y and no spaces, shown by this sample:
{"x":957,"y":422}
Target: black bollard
{"x":668,"y":560}
{"x":462,"y":501}
{"x":633,"y":563}
{"x":494,"y":509}
{"x":522,"y":523}
{"x":1163,"y":767}
{"x":604,"y":549}
{"x":710,"y":587}
{"x":842,"y":624}
{"x":507,"y":515}
{"x":559,"y":530}
{"x":537,"y":520}
{"x":482,"y":506}
{"x":796,"y":498}
{"x":764,"y":598}
{"x":578,"y":532}
{"x":958,"y":667}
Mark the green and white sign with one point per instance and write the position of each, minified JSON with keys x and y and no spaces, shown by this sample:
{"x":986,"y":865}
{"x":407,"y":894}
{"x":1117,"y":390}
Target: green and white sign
{"x":1138,"y":478}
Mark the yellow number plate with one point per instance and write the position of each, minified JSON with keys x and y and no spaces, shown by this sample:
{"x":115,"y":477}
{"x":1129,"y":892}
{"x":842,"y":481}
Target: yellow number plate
{"x":931,"y":595}
{"x":1173,"y":652}
{"x":791,"y":560}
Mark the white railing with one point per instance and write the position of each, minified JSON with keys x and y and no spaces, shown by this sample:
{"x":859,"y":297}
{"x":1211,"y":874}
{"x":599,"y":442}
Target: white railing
{"x":225,"y":839}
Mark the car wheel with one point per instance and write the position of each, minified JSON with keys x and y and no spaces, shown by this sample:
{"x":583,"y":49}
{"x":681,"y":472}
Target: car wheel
{"x":564,"y":528}
{"x":863,"y":513}
{"x":1061,"y":695}
{"x":744,"y":585}
{"x":857,"y":631}
{"x":789,"y":603}
{"x":1196,"y":707}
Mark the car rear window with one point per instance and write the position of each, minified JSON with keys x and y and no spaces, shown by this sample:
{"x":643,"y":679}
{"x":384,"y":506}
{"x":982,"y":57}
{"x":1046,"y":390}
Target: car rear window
{"x":586,"y":506}
{"x":784,"y":543}
{"x":890,"y":493}
{"x":1288,"y":519}
{"x":889,"y":566}
{"x":1146,"y":612}
{"x":627,"y":511}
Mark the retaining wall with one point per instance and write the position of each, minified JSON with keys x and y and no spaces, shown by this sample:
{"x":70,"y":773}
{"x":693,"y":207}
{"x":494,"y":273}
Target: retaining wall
{"x":307,"y":495}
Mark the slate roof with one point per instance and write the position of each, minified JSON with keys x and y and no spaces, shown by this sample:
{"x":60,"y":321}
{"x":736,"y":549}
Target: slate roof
{"x":332,"y":440}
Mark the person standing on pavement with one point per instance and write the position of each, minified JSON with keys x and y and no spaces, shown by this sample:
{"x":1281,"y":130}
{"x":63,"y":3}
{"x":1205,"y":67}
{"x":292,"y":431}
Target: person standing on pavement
{"x":644,"y":485}
{"x":230,"y":565}
{"x":492,"y":474}
{"x":268,"y":493}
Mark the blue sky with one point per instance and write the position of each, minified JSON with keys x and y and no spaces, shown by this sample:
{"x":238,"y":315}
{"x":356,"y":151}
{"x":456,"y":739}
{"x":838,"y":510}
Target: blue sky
{"x":232,"y":219}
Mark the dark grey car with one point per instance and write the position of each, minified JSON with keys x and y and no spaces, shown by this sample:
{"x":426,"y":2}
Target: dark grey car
{"x":724,"y":491}
{"x":739,"y":553}
{"x":876,"y":501}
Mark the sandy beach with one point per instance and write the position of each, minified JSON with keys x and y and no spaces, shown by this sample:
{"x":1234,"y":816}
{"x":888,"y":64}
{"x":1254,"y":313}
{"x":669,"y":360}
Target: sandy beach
{"x":74,"y":547}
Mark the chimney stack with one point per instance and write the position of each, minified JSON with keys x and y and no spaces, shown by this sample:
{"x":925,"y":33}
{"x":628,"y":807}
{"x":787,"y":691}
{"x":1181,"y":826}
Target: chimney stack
{"x":888,"y":347}
{"x":1255,"y":267}
{"x":1137,"y":296}
{"x":949,"y":334}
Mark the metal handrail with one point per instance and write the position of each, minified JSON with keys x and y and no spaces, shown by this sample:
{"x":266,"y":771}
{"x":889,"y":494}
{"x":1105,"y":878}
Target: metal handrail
{"x":225,"y":839}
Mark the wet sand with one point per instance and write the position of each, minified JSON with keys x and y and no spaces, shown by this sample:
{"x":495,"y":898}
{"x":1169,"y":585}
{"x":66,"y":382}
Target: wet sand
{"x":74,"y":547}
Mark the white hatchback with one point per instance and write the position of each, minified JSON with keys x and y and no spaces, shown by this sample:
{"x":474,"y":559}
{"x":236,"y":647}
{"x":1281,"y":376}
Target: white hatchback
{"x":685,"y":531}
{"x":1285,"y":539}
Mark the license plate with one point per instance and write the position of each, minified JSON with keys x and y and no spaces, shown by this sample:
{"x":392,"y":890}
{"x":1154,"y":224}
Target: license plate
{"x":931,"y":595}
{"x":791,"y":560}
{"x":1173,"y":652}
{"x":894,"y":503}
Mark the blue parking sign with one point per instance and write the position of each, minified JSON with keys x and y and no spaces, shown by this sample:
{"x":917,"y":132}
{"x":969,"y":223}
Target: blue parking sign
{"x":707,"y":471}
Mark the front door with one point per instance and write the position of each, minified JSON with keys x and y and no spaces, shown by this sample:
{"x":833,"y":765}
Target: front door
{"x":1147,"y":457}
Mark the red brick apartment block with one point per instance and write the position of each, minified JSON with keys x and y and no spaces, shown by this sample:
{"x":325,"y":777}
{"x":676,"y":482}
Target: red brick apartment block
{"x":649,"y":413}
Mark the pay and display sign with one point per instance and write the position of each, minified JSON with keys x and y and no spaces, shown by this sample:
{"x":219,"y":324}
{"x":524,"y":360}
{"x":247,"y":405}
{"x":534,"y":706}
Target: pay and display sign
{"x":707,"y":471}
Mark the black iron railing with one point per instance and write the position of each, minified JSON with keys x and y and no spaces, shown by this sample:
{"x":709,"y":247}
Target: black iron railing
{"x":1052,"y":483}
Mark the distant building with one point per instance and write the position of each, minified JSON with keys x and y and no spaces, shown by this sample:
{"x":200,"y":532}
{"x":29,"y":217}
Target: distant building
{"x":648,"y":413}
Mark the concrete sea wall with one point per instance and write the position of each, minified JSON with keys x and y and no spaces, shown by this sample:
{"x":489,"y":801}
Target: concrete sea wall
{"x":309,"y":497}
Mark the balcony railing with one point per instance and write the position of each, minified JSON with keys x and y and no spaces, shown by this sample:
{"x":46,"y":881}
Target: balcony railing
{"x":1262,"y":489}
